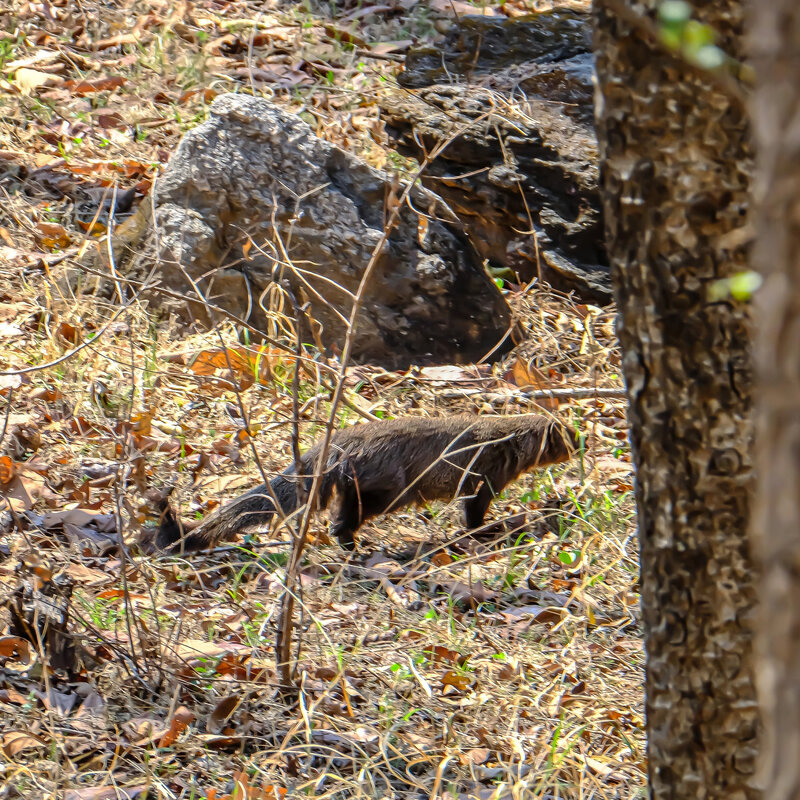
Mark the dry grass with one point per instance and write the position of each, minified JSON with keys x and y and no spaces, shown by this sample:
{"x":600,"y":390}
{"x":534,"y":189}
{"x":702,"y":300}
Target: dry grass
{"x":506,"y":668}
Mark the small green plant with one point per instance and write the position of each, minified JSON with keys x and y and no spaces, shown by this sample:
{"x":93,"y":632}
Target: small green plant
{"x":7,"y":49}
{"x":104,"y":614}
{"x":400,"y":671}
{"x":502,"y":657}
{"x":741,"y":286}
{"x":569,"y":557}
{"x":530,"y":496}
{"x":689,"y":37}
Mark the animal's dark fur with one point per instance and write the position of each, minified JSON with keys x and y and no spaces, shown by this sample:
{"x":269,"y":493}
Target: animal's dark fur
{"x":378,"y":467}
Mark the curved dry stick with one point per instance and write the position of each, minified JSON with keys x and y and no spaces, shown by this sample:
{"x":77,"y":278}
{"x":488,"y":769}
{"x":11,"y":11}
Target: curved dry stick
{"x":283,"y":643}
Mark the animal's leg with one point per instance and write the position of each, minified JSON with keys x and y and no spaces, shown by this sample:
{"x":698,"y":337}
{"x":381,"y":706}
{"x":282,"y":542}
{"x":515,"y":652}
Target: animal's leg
{"x":346,"y":518}
{"x":475,"y":507}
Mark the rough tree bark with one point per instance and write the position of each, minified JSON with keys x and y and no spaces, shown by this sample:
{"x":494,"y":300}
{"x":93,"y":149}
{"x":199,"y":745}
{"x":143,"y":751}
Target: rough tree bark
{"x":676,"y":166}
{"x":775,"y":47}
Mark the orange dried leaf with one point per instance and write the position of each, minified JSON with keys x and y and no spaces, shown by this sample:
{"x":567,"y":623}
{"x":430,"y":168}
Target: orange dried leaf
{"x":246,"y":362}
{"x":442,"y":655}
{"x":82,"y":88}
{"x":142,"y":422}
{"x":459,"y":681}
{"x":70,"y":333}
{"x":94,"y":227}
{"x":179,"y":722}
{"x":527,"y":375}
{"x":233,"y":664}
{"x":6,"y":237}
{"x":115,"y":594}
{"x":15,"y":648}
{"x":241,"y":437}
{"x":135,"y":169}
{"x":8,"y":470}
{"x":91,"y":168}
{"x":52,"y":235}
{"x":244,"y":790}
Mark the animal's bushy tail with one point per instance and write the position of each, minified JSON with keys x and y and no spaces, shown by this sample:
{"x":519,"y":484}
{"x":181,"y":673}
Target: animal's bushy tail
{"x":255,"y":507}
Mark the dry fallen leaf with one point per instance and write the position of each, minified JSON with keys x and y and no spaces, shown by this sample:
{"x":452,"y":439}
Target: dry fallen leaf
{"x":460,"y":8}
{"x":222,"y":712}
{"x":244,"y":790}
{"x":60,"y":703}
{"x":471,"y":594}
{"x":52,"y":235}
{"x":16,"y":648}
{"x":81,"y":88}
{"x":117,"y":41}
{"x":12,"y":696}
{"x":8,"y":470}
{"x":181,"y":720}
{"x":24,"y":487}
{"x":28,"y":80}
{"x":439,"y":654}
{"x":14,"y":742}
{"x":458,"y":681}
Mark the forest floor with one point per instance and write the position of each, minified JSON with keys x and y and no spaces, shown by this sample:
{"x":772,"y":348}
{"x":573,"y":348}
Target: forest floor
{"x":508,"y":667}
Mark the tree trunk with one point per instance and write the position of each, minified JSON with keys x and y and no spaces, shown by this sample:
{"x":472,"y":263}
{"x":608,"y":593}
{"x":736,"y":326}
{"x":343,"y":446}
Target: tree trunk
{"x":676,"y":166}
{"x":775,"y":45}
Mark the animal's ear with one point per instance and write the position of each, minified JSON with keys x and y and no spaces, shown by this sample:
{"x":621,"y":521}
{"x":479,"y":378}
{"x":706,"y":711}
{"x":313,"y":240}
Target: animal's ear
{"x":573,"y":437}
{"x":170,"y":529}
{"x":562,"y":441}
{"x":151,"y":540}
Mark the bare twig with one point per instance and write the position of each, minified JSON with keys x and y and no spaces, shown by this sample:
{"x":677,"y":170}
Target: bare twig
{"x":392,"y":208}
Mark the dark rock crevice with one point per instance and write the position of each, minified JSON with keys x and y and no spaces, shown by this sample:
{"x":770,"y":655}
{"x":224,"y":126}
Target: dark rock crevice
{"x":520,"y":167}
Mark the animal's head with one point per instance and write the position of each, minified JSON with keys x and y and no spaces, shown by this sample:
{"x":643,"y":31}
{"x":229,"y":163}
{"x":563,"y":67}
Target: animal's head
{"x":551,"y":442}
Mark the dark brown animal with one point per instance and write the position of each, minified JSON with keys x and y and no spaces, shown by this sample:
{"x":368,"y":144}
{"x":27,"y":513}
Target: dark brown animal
{"x":378,"y":467}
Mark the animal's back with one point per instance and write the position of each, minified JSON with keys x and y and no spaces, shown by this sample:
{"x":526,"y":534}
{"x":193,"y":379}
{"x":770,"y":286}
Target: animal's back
{"x":411,"y":459}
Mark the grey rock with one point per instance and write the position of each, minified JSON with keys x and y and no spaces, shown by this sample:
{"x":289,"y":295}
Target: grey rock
{"x":253,"y":170}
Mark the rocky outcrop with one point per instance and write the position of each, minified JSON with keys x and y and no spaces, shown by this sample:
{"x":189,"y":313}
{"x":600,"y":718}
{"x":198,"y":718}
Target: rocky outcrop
{"x":521,"y":166}
{"x":483,"y":45}
{"x":252,"y":196}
